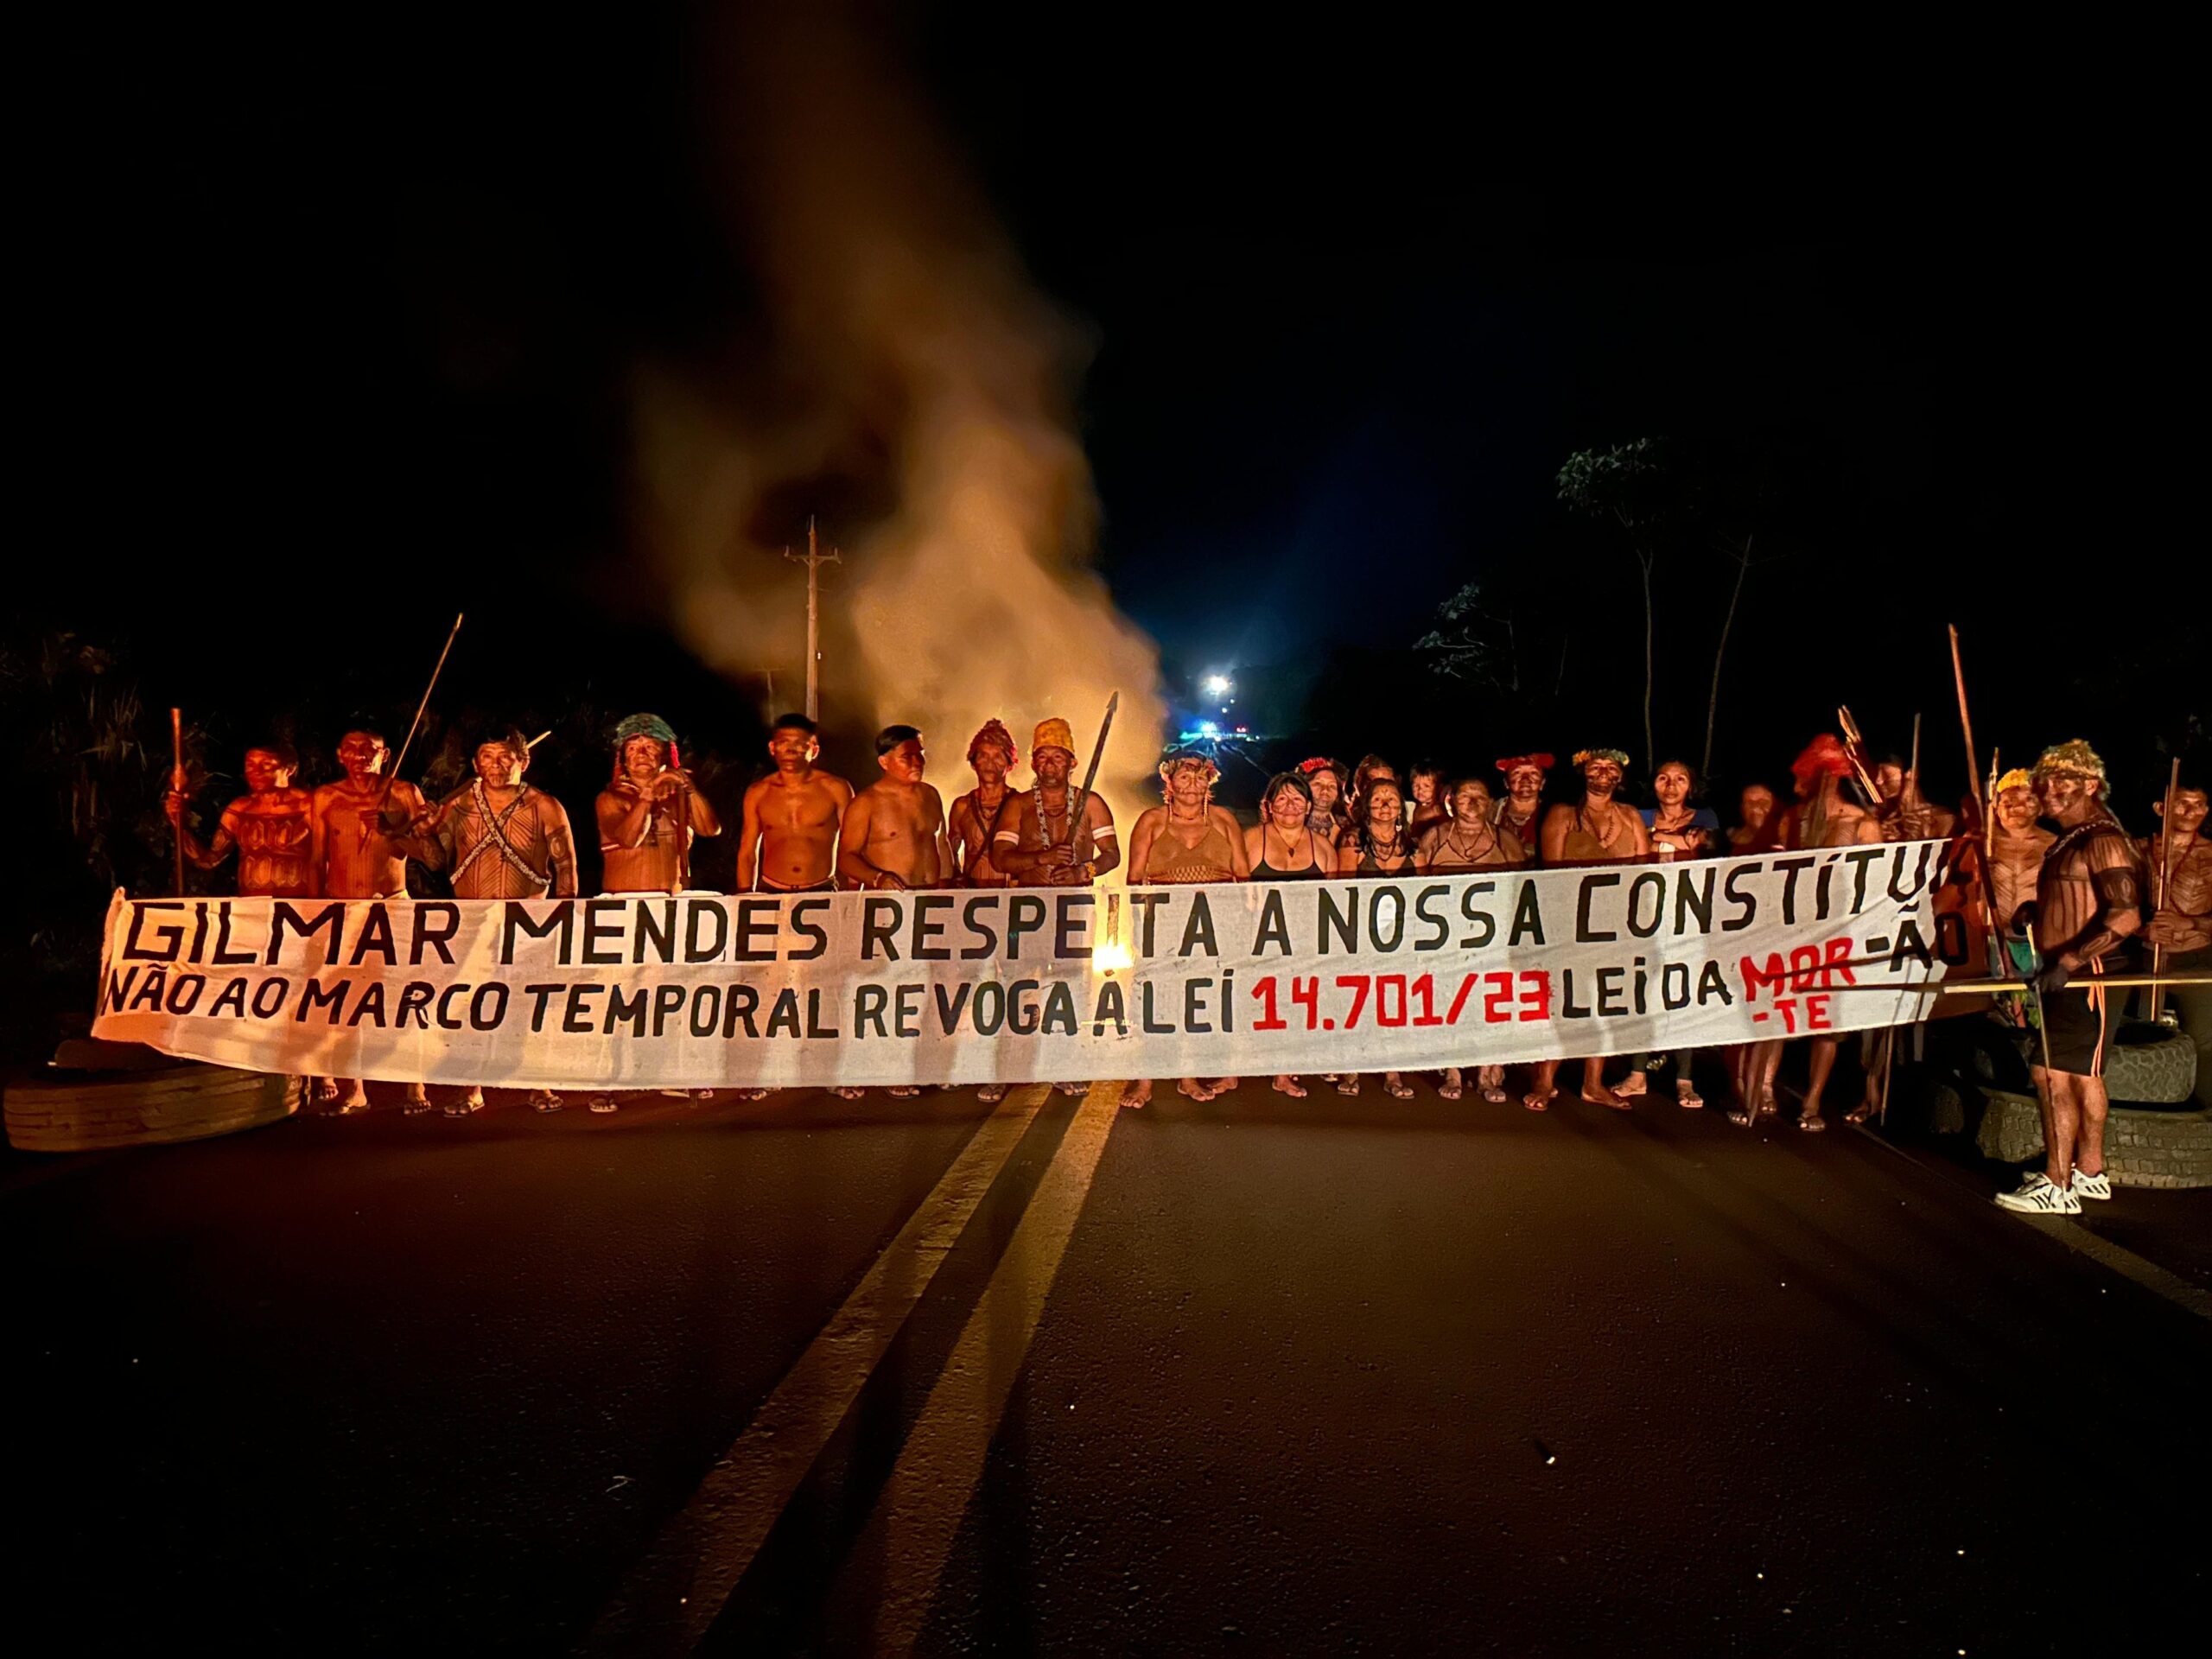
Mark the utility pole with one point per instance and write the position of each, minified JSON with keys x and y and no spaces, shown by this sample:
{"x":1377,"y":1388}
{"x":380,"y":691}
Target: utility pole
{"x":814,"y":558}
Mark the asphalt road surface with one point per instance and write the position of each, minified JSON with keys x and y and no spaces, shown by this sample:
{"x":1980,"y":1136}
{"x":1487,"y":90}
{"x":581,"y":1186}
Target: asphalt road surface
{"x":1259,"y":1377}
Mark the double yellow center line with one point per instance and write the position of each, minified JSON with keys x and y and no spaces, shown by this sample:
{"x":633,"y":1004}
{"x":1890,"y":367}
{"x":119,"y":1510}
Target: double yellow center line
{"x":677,"y":1590}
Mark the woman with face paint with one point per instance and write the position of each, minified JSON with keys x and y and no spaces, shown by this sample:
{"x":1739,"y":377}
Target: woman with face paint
{"x":1469,"y":839}
{"x":1284,"y":847}
{"x":1378,"y":843}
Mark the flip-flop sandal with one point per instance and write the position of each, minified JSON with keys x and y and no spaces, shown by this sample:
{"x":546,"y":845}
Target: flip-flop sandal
{"x":1540,"y":1102}
{"x":1290,"y":1088}
{"x":1348,"y":1086}
{"x":1814,"y":1125}
{"x":1399,"y":1090}
{"x":1688,"y":1099}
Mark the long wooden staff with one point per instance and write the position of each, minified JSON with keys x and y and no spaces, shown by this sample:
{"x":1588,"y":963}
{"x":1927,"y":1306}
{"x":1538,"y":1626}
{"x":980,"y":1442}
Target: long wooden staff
{"x":1981,"y":803}
{"x":1990,"y":987}
{"x":1079,"y":816}
{"x":415,"y":724}
{"x":2158,"y":899}
{"x":175,"y":781}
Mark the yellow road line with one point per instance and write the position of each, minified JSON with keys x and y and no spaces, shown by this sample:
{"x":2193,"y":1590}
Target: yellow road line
{"x":919,"y":1509}
{"x":678,"y":1589}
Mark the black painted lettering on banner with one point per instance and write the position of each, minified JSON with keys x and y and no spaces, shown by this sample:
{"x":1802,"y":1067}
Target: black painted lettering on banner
{"x":540,"y":995}
{"x":758,"y":920}
{"x":1746,"y":904}
{"x":1476,"y":915}
{"x":869,"y":1002}
{"x":929,"y":909}
{"x":1693,"y":899}
{"x":1198,"y":928}
{"x":783,"y":1018}
{"x":804,"y":911}
{"x":1342,"y":920}
{"x":515,"y":922}
{"x":224,"y":956}
{"x":168,"y":938}
{"x":1586,"y":932}
{"x":602,"y":926}
{"x":1651,"y":885}
{"x":413,"y":1000}
{"x":1436,"y":931}
{"x":1194,"y":1004}
{"x":1111,"y":1008}
{"x":1528,"y":917}
{"x":1023,"y":916}
{"x":977,"y":915}
{"x":881,"y":920}
{"x":1274,"y":929}
{"x":1145,"y":906}
{"x":696,"y":948}
{"x":1071,"y":929}
{"x":656,"y":930}
{"x":312,"y":996}
{"x":375,"y":936}
{"x":576,"y":1017}
{"x":436,"y":921}
{"x":1376,"y":920}
{"x":282,"y":915}
{"x":1791,"y":867}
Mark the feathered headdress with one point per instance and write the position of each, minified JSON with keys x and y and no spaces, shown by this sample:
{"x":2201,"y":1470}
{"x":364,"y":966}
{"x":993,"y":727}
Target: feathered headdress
{"x":2019,"y":778}
{"x":1513,"y":763}
{"x":2075,"y":756}
{"x":1825,"y":754}
{"x":1616,"y":757}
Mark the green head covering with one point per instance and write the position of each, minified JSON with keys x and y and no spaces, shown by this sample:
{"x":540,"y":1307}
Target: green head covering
{"x":650,"y":726}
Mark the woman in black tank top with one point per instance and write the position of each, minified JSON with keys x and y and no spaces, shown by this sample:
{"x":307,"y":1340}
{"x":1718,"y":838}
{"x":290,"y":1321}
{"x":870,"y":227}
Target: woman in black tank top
{"x":1281,"y":848}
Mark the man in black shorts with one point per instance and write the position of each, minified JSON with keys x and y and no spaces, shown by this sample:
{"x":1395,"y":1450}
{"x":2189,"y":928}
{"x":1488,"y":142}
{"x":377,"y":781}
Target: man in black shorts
{"x":2086,"y":905}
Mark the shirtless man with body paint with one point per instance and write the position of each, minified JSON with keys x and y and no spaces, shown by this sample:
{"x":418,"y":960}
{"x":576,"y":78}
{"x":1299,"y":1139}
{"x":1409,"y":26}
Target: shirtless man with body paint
{"x":992,"y":755}
{"x":271,"y":827}
{"x":360,"y":829}
{"x":2089,"y":894}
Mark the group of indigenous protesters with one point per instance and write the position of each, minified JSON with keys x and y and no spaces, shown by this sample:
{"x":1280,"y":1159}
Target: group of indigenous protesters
{"x":2053,"y":879}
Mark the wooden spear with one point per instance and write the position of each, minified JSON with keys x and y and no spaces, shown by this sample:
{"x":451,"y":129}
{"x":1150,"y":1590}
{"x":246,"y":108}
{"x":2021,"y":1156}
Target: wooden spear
{"x":1981,"y":803}
{"x":177,"y":784}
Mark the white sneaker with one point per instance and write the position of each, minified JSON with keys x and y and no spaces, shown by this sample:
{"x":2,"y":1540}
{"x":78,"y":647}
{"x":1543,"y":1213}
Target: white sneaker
{"x":2038,"y":1197}
{"x":2097,"y":1186}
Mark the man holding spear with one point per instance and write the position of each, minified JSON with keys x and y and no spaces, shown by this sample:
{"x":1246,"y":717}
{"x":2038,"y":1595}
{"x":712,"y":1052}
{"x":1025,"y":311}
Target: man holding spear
{"x":1053,"y":836}
{"x":499,"y":838}
{"x":2086,"y":905}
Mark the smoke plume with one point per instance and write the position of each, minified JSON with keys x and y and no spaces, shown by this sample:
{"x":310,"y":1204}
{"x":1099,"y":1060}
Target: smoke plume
{"x":910,"y":382}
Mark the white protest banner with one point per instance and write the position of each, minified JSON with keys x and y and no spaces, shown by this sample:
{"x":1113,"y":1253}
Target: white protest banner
{"x":771,"y":990}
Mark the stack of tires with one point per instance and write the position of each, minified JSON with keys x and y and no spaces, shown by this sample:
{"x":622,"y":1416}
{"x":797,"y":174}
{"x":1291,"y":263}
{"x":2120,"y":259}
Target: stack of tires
{"x":2157,"y":1135}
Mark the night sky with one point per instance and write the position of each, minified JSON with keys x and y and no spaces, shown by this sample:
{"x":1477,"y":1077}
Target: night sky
{"x":336,"y":325}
